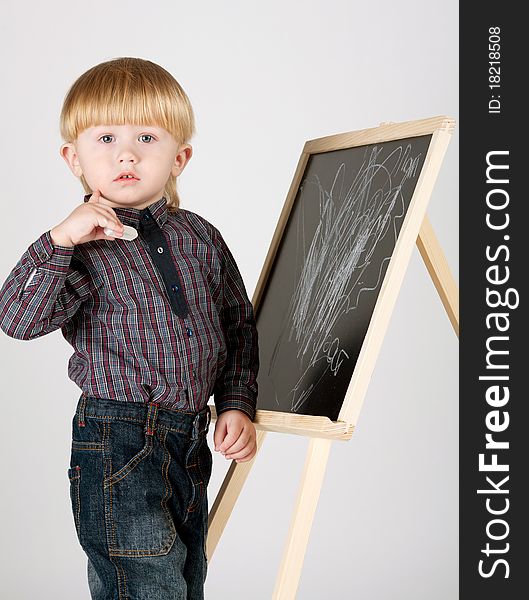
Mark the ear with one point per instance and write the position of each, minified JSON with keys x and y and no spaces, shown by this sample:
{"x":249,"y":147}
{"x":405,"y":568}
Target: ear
{"x":185,"y":152}
{"x":69,"y":153}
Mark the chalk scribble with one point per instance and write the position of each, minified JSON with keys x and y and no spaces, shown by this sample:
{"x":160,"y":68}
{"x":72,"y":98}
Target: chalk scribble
{"x":351,"y":223}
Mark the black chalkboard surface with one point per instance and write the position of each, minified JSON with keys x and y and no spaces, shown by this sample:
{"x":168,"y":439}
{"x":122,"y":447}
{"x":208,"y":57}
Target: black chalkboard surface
{"x":328,"y":271}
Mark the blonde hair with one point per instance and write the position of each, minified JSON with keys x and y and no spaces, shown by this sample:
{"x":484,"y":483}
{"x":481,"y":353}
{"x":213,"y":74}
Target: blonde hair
{"x":128,"y":90}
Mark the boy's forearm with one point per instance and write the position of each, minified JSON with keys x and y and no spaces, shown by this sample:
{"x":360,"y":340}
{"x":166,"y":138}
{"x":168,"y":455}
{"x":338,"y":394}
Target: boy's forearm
{"x":33,"y":298}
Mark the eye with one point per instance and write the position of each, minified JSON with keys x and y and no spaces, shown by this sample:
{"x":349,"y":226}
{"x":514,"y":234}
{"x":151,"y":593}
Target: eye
{"x":146,"y":135}
{"x":105,"y":136}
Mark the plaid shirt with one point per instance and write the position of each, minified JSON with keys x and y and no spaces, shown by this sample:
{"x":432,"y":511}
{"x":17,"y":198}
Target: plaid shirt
{"x":112,"y":302}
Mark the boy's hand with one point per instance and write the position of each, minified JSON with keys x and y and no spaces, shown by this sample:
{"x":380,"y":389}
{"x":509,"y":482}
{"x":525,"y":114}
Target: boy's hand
{"x":87,"y":222}
{"x":235,"y":435}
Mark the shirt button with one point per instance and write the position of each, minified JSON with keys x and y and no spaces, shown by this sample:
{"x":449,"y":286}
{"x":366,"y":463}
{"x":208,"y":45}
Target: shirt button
{"x":146,"y":216}
{"x":189,"y":332}
{"x":160,"y":249}
{"x":174,"y":288}
{"x":194,"y":373}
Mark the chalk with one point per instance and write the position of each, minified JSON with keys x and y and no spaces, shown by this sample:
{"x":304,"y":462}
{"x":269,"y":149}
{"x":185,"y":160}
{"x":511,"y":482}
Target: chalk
{"x":129,"y":233}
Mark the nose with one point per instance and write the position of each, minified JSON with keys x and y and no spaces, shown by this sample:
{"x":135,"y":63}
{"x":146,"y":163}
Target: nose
{"x":127,"y":157}
{"x":126,"y":153}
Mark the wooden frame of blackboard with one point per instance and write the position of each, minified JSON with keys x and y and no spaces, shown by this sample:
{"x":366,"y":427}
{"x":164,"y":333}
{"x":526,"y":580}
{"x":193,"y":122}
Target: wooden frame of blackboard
{"x":440,"y":128}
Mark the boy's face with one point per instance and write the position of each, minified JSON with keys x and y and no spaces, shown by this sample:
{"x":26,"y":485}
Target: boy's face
{"x":101,"y":153}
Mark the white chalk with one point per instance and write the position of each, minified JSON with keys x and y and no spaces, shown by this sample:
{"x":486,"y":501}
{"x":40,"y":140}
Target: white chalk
{"x":129,"y":233}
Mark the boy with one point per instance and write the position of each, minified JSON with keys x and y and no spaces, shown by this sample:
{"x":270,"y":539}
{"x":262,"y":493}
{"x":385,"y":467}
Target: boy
{"x":158,"y":323}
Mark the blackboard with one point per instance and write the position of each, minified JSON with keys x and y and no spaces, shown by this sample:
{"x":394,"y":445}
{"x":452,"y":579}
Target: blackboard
{"x":328,"y":271}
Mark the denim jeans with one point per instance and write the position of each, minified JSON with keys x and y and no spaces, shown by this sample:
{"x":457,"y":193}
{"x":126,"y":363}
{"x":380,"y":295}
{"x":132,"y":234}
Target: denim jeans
{"x":138,"y":488}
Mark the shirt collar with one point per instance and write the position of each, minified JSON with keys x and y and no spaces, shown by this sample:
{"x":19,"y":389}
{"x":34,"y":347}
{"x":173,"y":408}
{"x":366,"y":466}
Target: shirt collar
{"x":131,"y":216}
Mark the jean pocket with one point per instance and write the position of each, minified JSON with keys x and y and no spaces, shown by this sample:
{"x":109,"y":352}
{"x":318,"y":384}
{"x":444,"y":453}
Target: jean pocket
{"x":74,"y":475}
{"x":199,"y":462}
{"x":137,"y":491}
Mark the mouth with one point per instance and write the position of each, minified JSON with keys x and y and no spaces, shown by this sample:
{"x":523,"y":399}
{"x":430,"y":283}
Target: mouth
{"x":127,"y":176}
{"x":126,"y":180}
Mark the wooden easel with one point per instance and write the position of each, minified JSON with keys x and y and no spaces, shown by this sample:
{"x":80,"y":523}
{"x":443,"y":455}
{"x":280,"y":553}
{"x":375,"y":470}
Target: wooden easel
{"x":321,"y":430}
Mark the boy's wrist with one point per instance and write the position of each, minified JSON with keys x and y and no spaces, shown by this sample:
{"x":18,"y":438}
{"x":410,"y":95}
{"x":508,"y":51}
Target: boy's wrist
{"x":60,"y":239}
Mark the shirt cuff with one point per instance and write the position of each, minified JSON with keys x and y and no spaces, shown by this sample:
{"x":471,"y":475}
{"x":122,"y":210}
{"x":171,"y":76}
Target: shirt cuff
{"x":46,"y":255}
{"x":238,"y":401}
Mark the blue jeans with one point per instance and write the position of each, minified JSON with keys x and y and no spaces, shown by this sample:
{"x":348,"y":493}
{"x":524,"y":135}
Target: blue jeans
{"x":138,"y":487}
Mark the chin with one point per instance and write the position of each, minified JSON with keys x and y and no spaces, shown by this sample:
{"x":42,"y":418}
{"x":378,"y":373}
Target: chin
{"x":124,"y":195}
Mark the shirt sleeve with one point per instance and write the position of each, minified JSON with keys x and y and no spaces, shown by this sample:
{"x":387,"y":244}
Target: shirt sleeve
{"x":42,"y":291}
{"x":236,"y":386}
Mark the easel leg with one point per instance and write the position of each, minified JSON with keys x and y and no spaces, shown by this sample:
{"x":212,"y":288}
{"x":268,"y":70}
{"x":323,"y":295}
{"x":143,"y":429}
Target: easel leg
{"x":437,"y":266}
{"x":300,"y":526}
{"x":227,"y":496}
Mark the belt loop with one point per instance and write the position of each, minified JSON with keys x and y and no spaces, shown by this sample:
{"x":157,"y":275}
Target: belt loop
{"x":196,"y":425}
{"x":81,"y":411}
{"x":208,"y":421}
{"x":152,"y":414}
{"x":201,"y":422}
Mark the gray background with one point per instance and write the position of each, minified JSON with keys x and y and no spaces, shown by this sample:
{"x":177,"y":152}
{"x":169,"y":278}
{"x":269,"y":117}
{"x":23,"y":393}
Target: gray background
{"x":263,"y":78}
